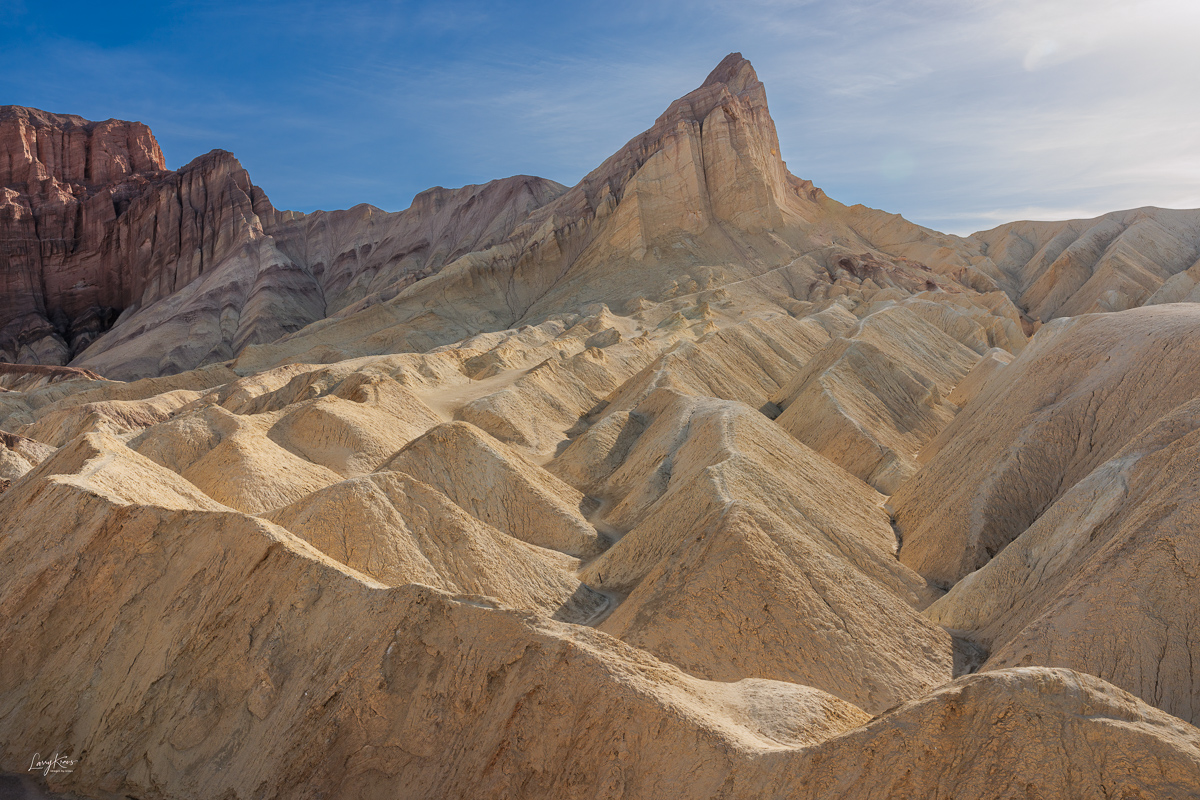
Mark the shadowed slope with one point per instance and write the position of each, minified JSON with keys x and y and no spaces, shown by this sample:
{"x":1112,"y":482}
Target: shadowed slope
{"x":1105,"y":581}
{"x":1070,"y":401}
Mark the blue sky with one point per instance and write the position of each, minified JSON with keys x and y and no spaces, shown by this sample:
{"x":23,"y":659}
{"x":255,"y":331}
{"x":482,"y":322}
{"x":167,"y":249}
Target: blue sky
{"x":959,"y":115}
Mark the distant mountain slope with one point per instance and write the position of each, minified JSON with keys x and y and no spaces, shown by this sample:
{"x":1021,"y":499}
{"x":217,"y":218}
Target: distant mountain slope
{"x":193,"y":266}
{"x":1117,"y":261}
{"x":304,"y":268}
{"x":698,"y":203}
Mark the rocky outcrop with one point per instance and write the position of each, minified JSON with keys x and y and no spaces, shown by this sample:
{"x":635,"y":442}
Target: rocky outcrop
{"x":37,"y":147}
{"x":92,"y":225}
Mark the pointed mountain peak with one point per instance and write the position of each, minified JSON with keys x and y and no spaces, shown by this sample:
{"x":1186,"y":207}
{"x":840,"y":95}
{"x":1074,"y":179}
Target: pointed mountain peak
{"x":735,"y":72}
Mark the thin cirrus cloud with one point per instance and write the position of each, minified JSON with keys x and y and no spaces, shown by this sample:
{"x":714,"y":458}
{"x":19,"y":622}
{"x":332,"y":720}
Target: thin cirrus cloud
{"x":959,"y":115}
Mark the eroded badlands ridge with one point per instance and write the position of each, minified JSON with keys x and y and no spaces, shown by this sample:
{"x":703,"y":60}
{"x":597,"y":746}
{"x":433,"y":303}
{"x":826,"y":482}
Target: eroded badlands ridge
{"x":687,"y":481}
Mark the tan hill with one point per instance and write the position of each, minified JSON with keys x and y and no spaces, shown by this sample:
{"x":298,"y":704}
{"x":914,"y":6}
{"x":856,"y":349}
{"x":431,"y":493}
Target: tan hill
{"x":229,"y":630}
{"x":497,"y":485}
{"x":19,"y":455}
{"x":870,"y":399}
{"x":744,"y":554}
{"x":1069,"y":402}
{"x":1103,"y":582}
{"x":401,"y":531}
{"x":1111,"y":263}
{"x":1009,"y":734}
{"x":969,"y":388}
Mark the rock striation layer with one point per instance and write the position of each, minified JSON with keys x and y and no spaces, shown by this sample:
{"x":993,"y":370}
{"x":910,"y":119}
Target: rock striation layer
{"x":92,"y":223}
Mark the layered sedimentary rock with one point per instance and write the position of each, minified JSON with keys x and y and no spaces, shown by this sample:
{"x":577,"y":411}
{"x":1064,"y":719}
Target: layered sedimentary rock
{"x":363,"y":256}
{"x":699,"y":202}
{"x":302,"y":269}
{"x":93,"y":224}
{"x":29,"y":376}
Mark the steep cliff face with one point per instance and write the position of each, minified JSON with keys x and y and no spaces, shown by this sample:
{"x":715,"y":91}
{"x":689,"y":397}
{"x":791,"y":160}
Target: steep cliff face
{"x":36,"y":147}
{"x":92,"y":224}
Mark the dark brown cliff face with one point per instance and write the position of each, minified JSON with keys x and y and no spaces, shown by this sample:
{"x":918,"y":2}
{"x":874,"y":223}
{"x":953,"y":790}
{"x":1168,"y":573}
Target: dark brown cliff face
{"x":93,"y":224}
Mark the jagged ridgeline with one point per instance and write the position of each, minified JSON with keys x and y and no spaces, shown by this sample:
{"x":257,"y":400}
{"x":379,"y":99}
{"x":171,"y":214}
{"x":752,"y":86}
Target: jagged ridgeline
{"x":685,"y":481}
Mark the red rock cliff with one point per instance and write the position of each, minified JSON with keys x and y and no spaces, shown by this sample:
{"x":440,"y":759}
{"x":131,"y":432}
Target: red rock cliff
{"x":92,"y":224}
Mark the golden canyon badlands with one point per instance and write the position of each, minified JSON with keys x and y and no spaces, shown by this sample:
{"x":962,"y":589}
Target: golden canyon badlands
{"x":687,"y":481}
